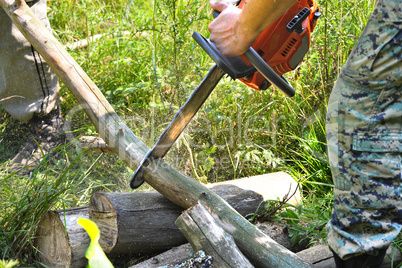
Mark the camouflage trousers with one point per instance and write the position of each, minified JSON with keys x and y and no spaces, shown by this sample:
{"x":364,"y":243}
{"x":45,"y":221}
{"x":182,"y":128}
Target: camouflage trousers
{"x":364,"y":135}
{"x":27,"y":84}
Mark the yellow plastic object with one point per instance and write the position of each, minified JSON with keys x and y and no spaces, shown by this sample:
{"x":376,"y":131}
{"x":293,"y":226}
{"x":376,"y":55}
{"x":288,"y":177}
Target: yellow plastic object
{"x":95,"y":255}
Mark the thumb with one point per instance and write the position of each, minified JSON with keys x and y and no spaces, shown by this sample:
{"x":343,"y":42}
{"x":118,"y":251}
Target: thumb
{"x":218,"y":5}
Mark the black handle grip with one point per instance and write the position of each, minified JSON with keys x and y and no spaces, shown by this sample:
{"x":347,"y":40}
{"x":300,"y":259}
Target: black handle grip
{"x":215,"y":13}
{"x":268,"y":72}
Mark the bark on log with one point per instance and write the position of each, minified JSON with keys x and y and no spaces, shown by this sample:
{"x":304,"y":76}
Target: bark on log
{"x":177,"y":187}
{"x":172,"y":257}
{"x":60,"y":241}
{"x":143,"y":222}
{"x":320,"y":256}
{"x":137,"y":222}
{"x":203,"y":233}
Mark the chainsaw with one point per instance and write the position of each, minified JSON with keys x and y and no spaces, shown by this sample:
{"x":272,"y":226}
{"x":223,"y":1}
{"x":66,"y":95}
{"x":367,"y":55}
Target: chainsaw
{"x":277,"y":50}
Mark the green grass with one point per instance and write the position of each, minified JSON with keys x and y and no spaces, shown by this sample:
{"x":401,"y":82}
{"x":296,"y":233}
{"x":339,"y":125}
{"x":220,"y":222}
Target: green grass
{"x":146,"y":76}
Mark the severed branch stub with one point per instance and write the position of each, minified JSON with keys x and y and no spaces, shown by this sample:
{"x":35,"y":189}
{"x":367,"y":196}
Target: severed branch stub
{"x":204,"y":233}
{"x":95,"y":143}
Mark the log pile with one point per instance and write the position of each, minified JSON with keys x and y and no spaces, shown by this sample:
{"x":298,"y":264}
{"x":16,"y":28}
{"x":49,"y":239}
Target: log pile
{"x":144,"y":222}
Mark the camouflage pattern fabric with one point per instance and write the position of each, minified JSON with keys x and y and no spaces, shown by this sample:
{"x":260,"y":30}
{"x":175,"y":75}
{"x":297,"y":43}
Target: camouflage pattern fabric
{"x":364,"y":135}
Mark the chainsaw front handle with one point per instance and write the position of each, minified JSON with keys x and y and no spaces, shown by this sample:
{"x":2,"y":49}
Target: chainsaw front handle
{"x":269,"y":74}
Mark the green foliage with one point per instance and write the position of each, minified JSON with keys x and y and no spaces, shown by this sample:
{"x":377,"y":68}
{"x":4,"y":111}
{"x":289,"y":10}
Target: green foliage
{"x":255,"y":160}
{"x":305,"y":221}
{"x":58,"y":182}
{"x":398,"y":247}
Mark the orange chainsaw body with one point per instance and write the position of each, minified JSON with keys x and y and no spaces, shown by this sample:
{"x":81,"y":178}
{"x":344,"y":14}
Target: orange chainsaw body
{"x":283,"y":44}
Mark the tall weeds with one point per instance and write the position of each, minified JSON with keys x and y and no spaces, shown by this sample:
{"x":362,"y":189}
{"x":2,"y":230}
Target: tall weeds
{"x":46,"y":188}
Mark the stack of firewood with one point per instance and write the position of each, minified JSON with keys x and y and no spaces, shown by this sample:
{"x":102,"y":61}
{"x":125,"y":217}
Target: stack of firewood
{"x":147,"y":223}
{"x":143,"y":222}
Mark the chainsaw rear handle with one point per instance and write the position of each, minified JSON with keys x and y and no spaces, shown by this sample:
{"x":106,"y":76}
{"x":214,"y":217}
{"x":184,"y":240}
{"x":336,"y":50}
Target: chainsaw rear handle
{"x":264,"y":69}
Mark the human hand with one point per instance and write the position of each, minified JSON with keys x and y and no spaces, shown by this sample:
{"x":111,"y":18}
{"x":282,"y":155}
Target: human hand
{"x":228,"y":32}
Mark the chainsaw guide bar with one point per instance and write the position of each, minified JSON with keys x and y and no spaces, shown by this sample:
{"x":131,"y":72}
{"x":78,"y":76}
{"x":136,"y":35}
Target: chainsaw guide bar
{"x":180,"y":121}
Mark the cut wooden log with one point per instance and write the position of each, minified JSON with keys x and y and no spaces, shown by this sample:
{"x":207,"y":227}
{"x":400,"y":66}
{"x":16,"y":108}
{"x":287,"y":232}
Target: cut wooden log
{"x":320,"y":256}
{"x":169,"y":258}
{"x":143,"y":222}
{"x":272,"y":186}
{"x":60,"y":241}
{"x":137,"y":222}
{"x":179,"y":188}
{"x":203,"y":233}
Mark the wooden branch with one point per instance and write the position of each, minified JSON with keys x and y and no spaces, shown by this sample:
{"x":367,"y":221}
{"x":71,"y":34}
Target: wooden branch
{"x":169,"y":258}
{"x":60,"y":241}
{"x":203,"y":233}
{"x":177,"y":187}
{"x":95,"y":143}
{"x":85,"y":42}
